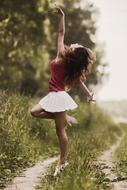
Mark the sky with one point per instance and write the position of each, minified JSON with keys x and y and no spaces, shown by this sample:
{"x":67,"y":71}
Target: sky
{"x":112,"y":29}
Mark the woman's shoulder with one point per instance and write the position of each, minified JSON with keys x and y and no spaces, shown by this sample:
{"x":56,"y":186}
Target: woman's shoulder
{"x":57,"y":60}
{"x":53,"y":61}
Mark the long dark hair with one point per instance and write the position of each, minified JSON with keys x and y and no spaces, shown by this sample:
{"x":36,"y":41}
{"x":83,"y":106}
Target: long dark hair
{"x":76,"y":64}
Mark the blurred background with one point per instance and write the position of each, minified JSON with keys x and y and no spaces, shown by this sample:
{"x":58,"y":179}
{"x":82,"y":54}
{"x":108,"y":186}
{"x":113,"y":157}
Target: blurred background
{"x":28,"y":34}
{"x":111,"y":32}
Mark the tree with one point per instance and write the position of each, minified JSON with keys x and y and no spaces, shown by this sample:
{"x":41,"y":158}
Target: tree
{"x":28,"y":33}
{"x":21,"y":34}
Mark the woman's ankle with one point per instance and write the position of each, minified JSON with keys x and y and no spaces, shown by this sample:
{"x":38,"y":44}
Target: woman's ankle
{"x":62,"y":161}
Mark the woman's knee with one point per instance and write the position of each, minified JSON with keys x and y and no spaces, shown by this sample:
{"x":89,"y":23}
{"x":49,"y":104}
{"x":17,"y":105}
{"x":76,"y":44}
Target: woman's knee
{"x":33,"y":112}
{"x":61,"y":132}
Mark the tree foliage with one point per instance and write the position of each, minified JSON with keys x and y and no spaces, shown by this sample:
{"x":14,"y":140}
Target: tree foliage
{"x":28,"y":33}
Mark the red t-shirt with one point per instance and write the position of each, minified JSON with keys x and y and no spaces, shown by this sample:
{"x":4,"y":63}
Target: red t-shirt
{"x":56,"y":77}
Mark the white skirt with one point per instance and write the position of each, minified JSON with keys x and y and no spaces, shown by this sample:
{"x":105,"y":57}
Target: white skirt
{"x":57,"y":102}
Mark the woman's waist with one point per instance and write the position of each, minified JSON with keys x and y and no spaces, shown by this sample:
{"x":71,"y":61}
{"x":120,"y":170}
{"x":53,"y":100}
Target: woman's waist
{"x":59,"y":81}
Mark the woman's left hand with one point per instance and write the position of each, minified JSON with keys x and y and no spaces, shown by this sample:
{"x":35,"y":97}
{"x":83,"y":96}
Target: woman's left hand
{"x":90,"y":97}
{"x":59,"y":11}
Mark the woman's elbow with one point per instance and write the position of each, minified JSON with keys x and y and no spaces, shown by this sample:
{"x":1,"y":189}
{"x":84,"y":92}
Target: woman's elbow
{"x":62,"y":32}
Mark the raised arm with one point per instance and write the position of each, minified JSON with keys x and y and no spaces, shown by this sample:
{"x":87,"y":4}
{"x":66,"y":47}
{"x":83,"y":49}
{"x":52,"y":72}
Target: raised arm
{"x":61,"y":32}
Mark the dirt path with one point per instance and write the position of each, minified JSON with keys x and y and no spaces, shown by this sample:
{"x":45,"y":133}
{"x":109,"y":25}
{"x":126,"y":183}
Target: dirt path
{"x":29,"y":178}
{"x":106,"y":163}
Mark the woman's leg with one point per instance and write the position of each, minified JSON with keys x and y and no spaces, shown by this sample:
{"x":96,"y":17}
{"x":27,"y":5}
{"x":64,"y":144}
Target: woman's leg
{"x":37,"y":111}
{"x":60,"y":121}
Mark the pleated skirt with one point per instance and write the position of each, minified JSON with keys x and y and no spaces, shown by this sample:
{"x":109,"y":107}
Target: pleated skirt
{"x":57,"y":102}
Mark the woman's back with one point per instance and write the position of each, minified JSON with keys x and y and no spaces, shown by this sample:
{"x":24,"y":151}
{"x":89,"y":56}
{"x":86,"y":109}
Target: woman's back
{"x":57,"y":76}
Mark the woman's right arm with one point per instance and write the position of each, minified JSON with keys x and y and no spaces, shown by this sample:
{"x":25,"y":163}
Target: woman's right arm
{"x":61,"y":32}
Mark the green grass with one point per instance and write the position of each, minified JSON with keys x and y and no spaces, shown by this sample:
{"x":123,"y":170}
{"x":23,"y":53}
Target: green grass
{"x":94,"y":134}
{"x":23,"y":139}
{"x":120,"y":157}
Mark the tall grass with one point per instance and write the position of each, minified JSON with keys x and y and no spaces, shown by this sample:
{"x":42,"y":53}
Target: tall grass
{"x":94,"y":134}
{"x":120,"y":157}
{"x":23,"y":139}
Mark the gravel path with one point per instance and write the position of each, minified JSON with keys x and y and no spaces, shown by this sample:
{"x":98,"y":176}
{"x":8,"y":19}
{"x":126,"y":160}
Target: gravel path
{"x":106,"y":163}
{"x":30,"y":177}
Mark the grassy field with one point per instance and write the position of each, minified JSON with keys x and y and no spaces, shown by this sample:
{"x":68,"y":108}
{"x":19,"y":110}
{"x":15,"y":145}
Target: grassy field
{"x":94,"y":134}
{"x":24,"y":140}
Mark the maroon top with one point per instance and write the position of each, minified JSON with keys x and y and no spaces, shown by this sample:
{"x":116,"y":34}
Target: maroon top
{"x":56,"y":78}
